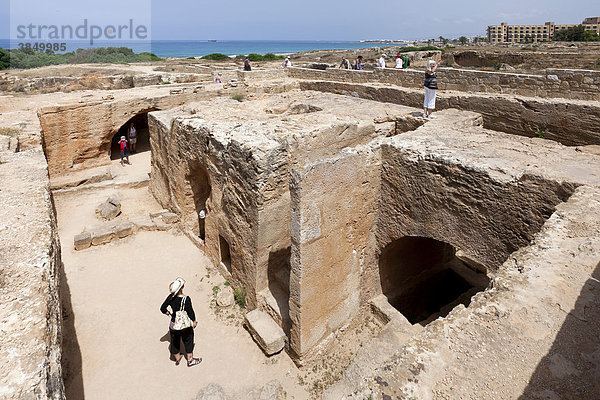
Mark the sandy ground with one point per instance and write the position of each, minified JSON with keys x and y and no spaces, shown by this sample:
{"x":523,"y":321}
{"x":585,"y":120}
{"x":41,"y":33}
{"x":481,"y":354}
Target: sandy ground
{"x":116,"y":339}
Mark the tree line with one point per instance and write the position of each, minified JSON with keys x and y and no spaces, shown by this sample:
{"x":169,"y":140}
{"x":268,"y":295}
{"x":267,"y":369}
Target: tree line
{"x":30,"y":58}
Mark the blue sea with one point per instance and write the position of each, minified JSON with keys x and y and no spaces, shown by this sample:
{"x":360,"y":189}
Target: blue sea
{"x":196,"y":48}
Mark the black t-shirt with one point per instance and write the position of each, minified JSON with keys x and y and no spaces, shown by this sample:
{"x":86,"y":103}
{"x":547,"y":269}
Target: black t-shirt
{"x":175,"y":303}
{"x":430,"y":80}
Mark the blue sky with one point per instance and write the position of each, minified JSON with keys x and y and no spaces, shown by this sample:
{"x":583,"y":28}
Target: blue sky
{"x":303,"y":20}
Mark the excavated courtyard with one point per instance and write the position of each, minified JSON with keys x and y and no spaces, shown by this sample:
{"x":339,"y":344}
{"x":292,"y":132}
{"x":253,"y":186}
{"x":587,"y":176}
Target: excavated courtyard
{"x":384,"y":254}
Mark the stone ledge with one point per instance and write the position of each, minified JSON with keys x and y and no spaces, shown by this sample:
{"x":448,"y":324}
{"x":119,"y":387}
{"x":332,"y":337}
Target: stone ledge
{"x":106,"y":233}
{"x":267,"y":334}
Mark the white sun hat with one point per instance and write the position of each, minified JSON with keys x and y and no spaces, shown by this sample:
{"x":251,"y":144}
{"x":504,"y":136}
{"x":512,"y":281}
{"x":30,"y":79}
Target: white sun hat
{"x":176,"y":286}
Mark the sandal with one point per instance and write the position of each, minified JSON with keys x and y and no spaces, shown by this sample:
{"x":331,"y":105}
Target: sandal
{"x":175,"y":358}
{"x":194,"y":361}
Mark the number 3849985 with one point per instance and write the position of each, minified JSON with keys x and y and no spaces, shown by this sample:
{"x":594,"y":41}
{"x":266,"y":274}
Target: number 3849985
{"x":43,"y":46}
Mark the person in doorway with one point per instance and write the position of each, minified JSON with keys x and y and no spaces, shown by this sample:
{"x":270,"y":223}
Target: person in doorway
{"x":345,"y":63}
{"x":132,"y":133}
{"x":287,"y":62}
{"x":180,"y":303}
{"x":124,"y":152}
{"x":381,"y":62}
{"x":358,"y":66}
{"x":202,"y":225}
{"x":430,"y":89}
{"x":247,"y":66}
{"x":219,"y":77}
{"x":399,"y":63}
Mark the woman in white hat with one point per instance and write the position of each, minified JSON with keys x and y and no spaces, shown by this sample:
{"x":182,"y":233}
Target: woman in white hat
{"x":183,"y":322}
{"x":430,"y":89}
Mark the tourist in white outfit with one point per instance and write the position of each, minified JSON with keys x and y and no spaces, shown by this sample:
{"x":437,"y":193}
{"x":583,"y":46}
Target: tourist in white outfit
{"x":430,"y":89}
{"x":287,"y":63}
{"x":399,"y":61}
{"x":381,"y":62}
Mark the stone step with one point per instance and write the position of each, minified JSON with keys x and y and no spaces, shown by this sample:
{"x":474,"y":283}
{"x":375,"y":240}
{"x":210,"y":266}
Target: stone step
{"x":106,"y":233}
{"x":265,"y":332}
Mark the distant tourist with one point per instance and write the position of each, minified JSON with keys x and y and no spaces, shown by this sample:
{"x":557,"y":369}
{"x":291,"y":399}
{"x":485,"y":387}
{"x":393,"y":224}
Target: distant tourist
{"x":430,"y":89}
{"x":405,"y":61}
{"x":132,"y":133}
{"x":218,"y":78}
{"x":287,"y":62}
{"x":381,"y":62}
{"x":399,"y":63}
{"x":183,"y":322}
{"x":247,"y":66}
{"x":358,"y":66}
{"x":124,"y":153}
{"x":345,"y":63}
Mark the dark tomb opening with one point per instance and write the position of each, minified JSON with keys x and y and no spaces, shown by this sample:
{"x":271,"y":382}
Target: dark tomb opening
{"x":424,"y":279}
{"x":225,"y":253}
{"x":140,"y":122}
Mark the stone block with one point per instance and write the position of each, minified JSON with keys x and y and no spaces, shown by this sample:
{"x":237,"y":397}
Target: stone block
{"x":144,"y":224}
{"x":155,"y":214}
{"x":103,"y":235}
{"x":161,"y":225}
{"x":225,"y":298}
{"x":124,"y":229}
{"x":108,"y":210}
{"x":265,"y":331}
{"x":170,"y":218}
{"x":82,"y":241}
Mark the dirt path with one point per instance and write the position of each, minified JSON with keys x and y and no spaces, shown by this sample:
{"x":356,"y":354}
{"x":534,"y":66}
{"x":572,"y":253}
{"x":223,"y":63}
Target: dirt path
{"x":116,"y":342}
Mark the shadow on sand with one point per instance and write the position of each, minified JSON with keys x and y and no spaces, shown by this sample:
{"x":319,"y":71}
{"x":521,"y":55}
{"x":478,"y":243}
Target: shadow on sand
{"x":571,"y":369}
{"x":71,"y":357}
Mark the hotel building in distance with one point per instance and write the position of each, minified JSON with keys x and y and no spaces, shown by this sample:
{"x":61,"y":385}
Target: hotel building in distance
{"x":505,"y":33}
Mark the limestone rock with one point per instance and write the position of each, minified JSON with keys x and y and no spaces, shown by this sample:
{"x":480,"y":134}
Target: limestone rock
{"x":270,"y":391}
{"x":225,"y":298}
{"x":170,"y":218}
{"x":144,"y":224}
{"x":265,"y":331}
{"x":109,"y":209}
{"x":103,"y":235}
{"x":161,"y":225}
{"x":303,"y":109}
{"x":156,"y":214}
{"x":124,"y":229}
{"x":211,"y":392}
{"x":82,"y":241}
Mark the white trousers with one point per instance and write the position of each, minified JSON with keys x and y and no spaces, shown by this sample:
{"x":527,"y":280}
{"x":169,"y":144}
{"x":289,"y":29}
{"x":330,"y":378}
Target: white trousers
{"x":429,"y":98}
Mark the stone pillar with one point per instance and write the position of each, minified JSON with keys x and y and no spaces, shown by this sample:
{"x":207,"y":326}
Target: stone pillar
{"x":331,"y":216}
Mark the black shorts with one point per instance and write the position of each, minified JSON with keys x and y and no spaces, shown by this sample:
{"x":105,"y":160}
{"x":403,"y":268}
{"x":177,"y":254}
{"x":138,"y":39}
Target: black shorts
{"x":185,"y":335}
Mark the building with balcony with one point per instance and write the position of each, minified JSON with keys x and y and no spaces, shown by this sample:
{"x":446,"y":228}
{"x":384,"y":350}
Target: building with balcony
{"x":505,"y":33}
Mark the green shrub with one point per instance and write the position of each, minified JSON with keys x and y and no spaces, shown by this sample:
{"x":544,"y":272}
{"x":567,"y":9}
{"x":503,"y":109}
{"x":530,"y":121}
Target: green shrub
{"x":215,"y":290}
{"x":190,"y":58}
{"x":29,"y":58}
{"x":412,"y":48}
{"x":576,"y":34}
{"x":541,"y":134}
{"x":9,"y":132}
{"x":266,"y":57}
{"x":216,"y":57}
{"x":240,"y":297}
{"x":239,"y":97}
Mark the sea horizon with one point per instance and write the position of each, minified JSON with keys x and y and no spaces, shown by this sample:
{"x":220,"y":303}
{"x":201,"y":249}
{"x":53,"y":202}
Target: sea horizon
{"x":199,"y":48}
